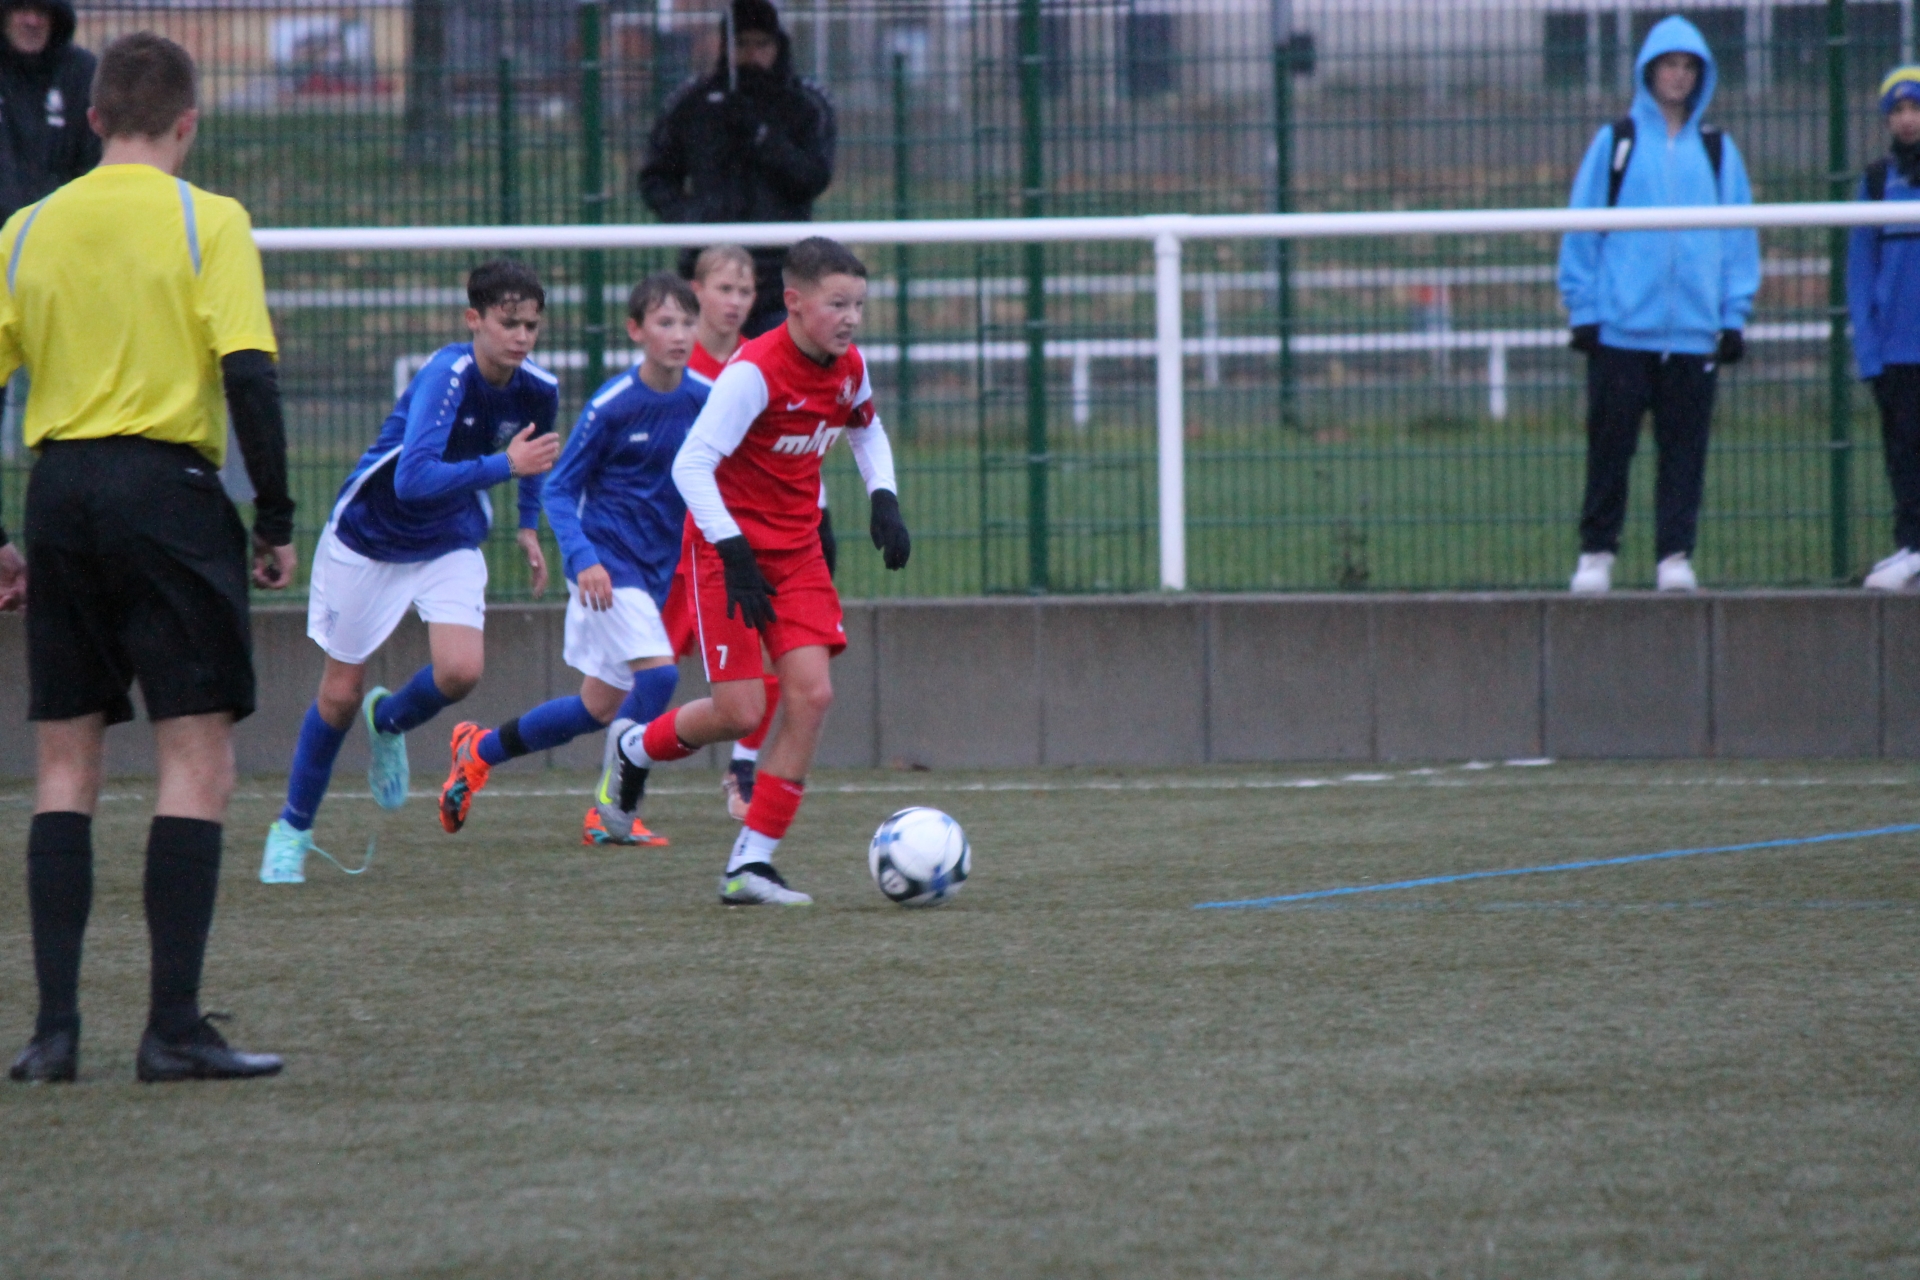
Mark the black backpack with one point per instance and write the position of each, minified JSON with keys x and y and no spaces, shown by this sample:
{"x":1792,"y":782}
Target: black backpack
{"x":1623,"y":138}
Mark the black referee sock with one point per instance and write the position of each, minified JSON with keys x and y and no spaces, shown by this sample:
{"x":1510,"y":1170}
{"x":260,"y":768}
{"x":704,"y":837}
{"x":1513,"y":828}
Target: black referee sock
{"x":59,"y":898}
{"x":183,"y":877}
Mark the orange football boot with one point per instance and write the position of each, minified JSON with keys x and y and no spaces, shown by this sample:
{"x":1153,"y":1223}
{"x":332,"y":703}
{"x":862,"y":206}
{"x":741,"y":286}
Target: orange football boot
{"x":594,"y":831}
{"x":468,"y":776}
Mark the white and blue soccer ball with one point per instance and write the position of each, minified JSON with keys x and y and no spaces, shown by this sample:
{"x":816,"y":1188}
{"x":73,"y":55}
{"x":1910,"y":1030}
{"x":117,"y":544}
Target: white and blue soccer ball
{"x":919,"y":857}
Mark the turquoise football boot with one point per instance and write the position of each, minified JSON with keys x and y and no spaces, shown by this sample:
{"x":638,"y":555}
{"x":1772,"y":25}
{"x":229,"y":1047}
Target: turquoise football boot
{"x":285,"y":858}
{"x":387,"y":772}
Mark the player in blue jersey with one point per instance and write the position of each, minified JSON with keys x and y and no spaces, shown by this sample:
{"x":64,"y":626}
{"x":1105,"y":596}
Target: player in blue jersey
{"x":406,"y":530}
{"x":619,"y":519}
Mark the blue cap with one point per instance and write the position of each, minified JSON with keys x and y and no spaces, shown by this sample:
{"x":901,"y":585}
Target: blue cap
{"x":1901,"y":83}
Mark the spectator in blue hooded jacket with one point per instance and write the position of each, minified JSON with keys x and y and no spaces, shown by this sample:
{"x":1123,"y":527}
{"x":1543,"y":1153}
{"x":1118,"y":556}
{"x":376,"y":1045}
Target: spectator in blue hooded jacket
{"x":1883,"y":291}
{"x":1656,"y":312}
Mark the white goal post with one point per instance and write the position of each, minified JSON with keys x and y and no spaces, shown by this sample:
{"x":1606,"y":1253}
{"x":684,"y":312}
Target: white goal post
{"x":1167,"y":233}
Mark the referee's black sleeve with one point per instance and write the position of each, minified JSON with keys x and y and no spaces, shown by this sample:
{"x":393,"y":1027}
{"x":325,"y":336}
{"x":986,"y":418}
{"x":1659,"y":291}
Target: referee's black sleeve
{"x":253,"y":403}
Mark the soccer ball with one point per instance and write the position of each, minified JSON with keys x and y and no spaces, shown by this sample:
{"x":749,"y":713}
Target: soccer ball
{"x":919,"y":857}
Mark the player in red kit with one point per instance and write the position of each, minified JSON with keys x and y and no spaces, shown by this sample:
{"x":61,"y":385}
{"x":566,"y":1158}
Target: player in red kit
{"x":723,"y":288}
{"x":750,"y":474}
{"x":723,"y":283}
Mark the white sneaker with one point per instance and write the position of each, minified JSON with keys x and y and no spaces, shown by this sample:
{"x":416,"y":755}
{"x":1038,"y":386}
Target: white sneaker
{"x":285,"y":857}
{"x":1594,"y":574}
{"x":387,"y":773}
{"x":758,"y":882}
{"x":1896,"y":572}
{"x":1675,"y":573}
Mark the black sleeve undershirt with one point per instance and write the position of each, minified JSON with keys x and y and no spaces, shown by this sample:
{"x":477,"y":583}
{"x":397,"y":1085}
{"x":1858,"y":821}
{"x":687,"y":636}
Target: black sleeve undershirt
{"x":253,"y":403}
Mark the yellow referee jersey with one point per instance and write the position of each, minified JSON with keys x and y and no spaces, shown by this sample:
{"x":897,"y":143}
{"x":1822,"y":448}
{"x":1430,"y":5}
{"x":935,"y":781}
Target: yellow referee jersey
{"x":123,"y":290}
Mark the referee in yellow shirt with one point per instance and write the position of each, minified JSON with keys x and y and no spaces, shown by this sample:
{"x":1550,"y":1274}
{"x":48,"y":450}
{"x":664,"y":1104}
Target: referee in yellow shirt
{"x":137,"y":304}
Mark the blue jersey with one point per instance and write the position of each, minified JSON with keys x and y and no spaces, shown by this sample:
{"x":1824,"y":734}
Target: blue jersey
{"x":421,"y":490}
{"x":611,"y":498}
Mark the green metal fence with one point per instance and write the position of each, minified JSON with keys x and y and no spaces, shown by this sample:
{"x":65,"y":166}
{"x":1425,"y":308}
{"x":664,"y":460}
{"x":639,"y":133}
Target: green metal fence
{"x":1026,"y":448}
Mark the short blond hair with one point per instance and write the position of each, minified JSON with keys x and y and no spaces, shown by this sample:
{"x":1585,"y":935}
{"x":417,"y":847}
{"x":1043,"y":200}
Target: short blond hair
{"x":711,"y":259}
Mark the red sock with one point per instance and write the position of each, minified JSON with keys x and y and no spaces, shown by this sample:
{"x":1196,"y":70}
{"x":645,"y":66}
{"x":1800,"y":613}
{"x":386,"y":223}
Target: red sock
{"x":753,"y":740}
{"x":661,"y":743}
{"x":775,"y":802}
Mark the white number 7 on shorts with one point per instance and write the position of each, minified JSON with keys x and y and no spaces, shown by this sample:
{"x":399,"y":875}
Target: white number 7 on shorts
{"x":723,"y":656}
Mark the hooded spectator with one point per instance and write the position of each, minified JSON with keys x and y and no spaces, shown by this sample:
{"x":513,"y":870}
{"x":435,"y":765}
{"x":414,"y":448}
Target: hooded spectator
{"x":1656,"y":312}
{"x":752,"y":142}
{"x":46,"y":85}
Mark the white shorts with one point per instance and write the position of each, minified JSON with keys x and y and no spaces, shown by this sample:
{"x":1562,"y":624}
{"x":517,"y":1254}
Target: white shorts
{"x":600,"y":643}
{"x":354,"y":604}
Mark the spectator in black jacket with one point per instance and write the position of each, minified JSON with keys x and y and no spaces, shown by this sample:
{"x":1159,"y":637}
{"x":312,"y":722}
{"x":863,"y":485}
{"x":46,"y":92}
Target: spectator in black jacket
{"x":752,"y":142}
{"x":46,"y":86}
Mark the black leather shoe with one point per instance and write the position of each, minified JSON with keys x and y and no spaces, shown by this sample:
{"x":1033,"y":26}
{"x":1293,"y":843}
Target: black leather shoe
{"x":53,"y":1058}
{"x":201,"y":1054}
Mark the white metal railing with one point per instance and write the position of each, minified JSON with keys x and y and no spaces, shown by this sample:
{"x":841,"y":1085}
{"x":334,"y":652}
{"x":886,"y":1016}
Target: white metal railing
{"x":1080,"y":353}
{"x":1167,"y":233}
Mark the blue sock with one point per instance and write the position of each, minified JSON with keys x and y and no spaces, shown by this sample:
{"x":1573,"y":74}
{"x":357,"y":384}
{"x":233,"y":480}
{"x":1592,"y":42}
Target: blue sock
{"x":548,"y":725}
{"x":652,"y":691}
{"x":415,"y":703}
{"x":312,"y":769}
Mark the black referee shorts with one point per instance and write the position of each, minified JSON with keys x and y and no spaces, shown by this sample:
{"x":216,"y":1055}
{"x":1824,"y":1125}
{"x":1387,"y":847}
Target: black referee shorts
{"x":137,"y":569}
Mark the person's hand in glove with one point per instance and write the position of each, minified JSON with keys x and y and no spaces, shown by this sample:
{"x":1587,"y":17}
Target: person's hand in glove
{"x":829,"y":545}
{"x":1732,"y":347}
{"x":889,"y":531}
{"x":746,"y":588}
{"x":1585,"y":339}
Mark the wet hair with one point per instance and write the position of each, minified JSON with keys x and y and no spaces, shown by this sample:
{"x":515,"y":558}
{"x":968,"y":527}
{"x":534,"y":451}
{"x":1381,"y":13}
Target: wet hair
{"x":503,"y":282}
{"x":144,"y":84}
{"x":720,"y":255}
{"x":816,"y":258}
{"x":656,"y":291}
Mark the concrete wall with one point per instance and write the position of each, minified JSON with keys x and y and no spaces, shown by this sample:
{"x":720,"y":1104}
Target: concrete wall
{"x":1145,"y":680}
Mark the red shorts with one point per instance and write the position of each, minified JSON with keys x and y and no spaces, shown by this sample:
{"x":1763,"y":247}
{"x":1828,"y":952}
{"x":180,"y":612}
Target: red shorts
{"x":806,"y":609}
{"x":676,"y":615}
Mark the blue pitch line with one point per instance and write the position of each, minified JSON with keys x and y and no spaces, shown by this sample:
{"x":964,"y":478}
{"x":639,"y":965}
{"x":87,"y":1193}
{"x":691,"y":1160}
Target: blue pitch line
{"x":1458,"y":877}
{"x":1644,"y":908}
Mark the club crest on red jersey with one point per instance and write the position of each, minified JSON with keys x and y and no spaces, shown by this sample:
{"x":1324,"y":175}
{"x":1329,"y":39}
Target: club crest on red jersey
{"x":846,"y":390}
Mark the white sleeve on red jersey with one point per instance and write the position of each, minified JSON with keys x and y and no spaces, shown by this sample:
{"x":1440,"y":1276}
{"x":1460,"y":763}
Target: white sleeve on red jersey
{"x":739,"y":396}
{"x":872,"y":452}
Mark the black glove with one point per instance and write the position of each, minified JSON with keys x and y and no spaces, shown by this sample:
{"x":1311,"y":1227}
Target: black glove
{"x":829,"y":545}
{"x":1732,"y":347}
{"x":889,"y":530}
{"x":745,"y":587}
{"x":1585,"y":339}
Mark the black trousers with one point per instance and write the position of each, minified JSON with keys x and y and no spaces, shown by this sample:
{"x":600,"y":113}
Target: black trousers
{"x":1622,"y":386}
{"x":1898,"y":391}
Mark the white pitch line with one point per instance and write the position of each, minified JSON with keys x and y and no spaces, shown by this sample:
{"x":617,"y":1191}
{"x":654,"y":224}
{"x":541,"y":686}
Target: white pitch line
{"x":1449,"y":775}
{"x":893,"y":788}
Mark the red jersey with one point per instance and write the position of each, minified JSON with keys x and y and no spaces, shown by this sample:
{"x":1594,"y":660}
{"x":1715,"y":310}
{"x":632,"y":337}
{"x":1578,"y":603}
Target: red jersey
{"x":773,"y":414}
{"x":703,"y":364}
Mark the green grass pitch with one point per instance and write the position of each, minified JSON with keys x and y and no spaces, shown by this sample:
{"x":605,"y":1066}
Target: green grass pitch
{"x":510,"y":1056}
